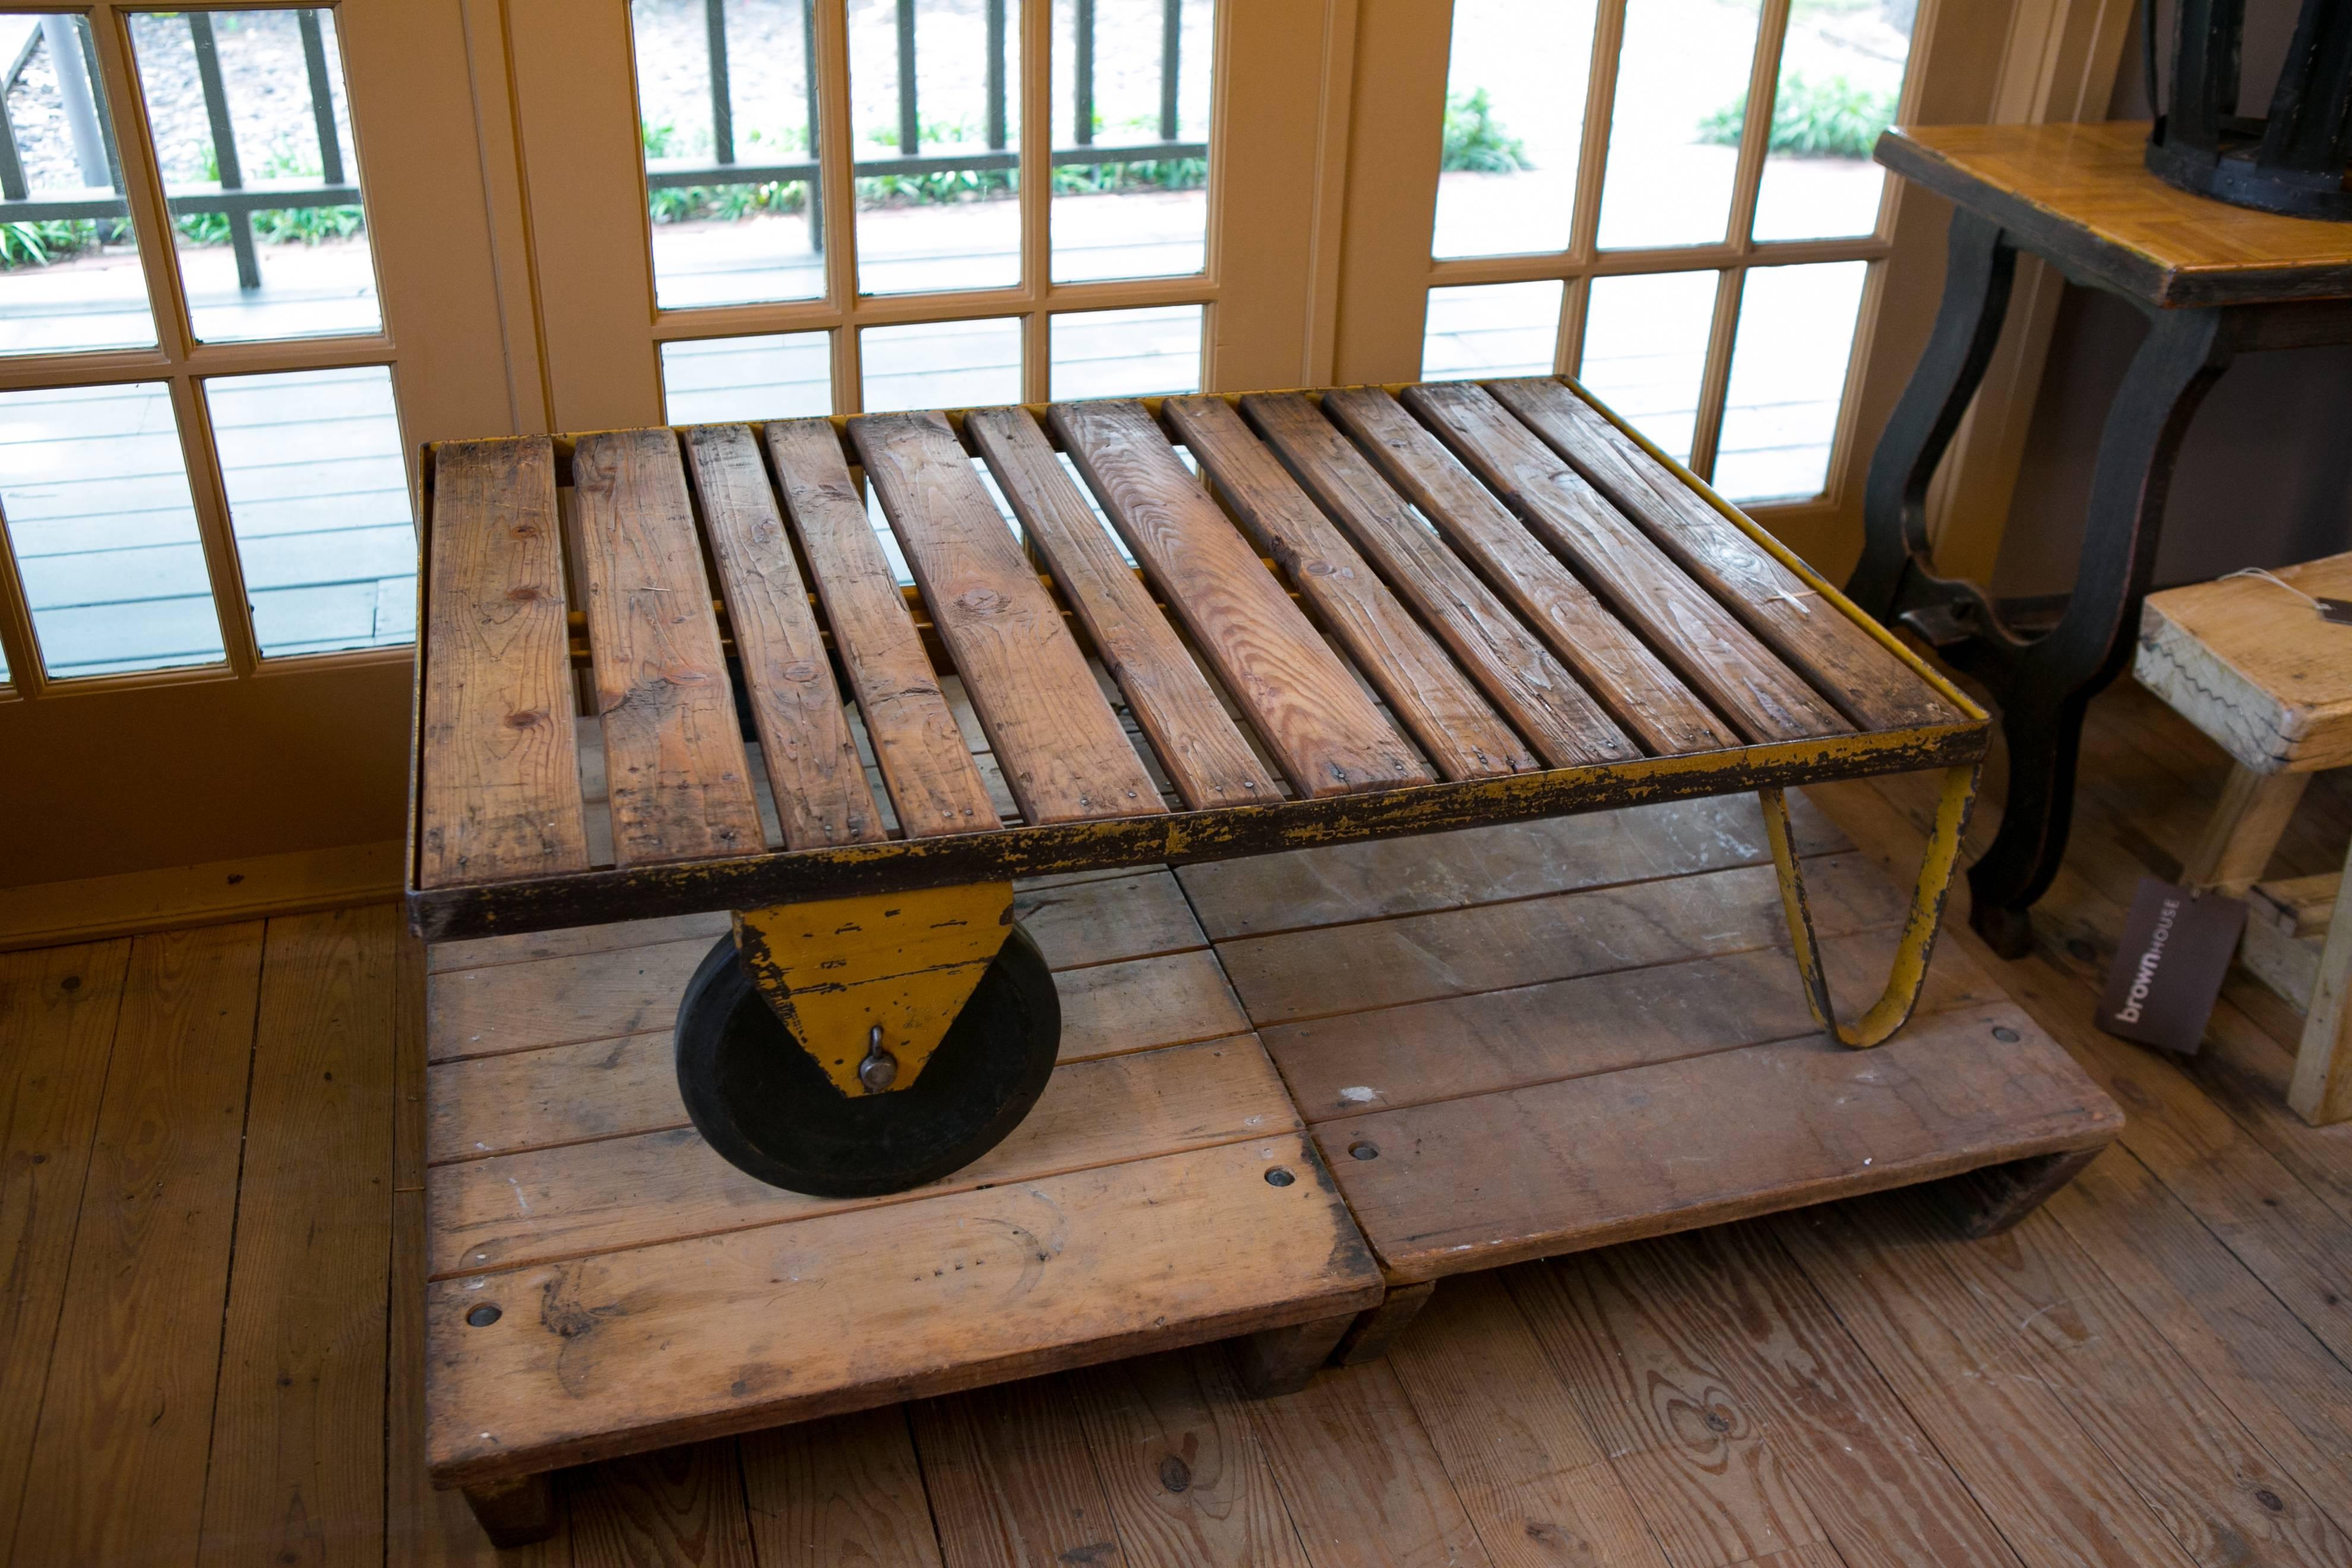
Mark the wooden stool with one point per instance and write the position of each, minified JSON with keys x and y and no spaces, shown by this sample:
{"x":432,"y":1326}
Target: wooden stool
{"x":2267,"y":678}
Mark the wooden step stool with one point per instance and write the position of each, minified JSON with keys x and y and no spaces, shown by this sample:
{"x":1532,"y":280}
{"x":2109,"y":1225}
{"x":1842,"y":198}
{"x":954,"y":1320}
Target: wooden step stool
{"x":2261,"y":671}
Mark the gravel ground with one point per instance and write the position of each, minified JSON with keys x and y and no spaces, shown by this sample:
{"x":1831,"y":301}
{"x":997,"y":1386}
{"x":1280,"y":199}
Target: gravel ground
{"x":261,"y":67}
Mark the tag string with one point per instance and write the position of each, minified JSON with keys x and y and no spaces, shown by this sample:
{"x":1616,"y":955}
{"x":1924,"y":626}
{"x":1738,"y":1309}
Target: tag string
{"x":2276,"y":581}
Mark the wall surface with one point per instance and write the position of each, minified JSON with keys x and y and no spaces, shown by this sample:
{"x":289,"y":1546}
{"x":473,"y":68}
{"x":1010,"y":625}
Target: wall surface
{"x":2265,"y":475}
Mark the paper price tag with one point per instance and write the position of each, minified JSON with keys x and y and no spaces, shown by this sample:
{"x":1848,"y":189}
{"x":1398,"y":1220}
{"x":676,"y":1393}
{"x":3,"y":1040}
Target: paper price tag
{"x":2170,"y":963}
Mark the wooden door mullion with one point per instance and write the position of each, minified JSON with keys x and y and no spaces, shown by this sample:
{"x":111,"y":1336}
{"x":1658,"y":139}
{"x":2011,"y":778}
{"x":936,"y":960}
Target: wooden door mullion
{"x":1714,"y":382}
{"x":1037,"y":196}
{"x":142,"y":182}
{"x":1756,"y":128}
{"x":1592,"y":155}
{"x":26,"y":678}
{"x":209,"y":495}
{"x":837,"y":191}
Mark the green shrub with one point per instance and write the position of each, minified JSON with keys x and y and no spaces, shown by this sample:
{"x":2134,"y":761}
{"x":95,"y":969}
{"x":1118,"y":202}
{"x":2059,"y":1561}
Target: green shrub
{"x":1833,"y":118}
{"x":1475,"y":140}
{"x":275,"y":225}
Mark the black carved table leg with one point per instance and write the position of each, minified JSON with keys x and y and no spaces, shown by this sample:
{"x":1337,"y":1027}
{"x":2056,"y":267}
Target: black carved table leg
{"x":2042,"y":684}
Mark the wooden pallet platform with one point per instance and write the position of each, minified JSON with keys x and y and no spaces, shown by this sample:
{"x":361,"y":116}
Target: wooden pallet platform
{"x":601,"y":1283}
{"x":1531,"y":1039}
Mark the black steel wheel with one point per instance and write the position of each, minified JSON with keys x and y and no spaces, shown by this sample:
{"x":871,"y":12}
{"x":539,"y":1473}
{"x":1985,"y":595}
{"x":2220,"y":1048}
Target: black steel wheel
{"x":769,"y":1111}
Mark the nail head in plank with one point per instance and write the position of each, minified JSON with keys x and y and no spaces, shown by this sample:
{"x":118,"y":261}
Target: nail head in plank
{"x":1436,"y":702}
{"x":1867,"y":681}
{"x":676,"y":773}
{"x":500,"y":777}
{"x":933,"y":782}
{"x":1309,"y":711}
{"x":1064,"y":754}
{"x":1206,"y":756}
{"x":804,"y":740}
{"x":1702,"y":640}
{"x":1509,"y":662}
{"x":1646,"y":697}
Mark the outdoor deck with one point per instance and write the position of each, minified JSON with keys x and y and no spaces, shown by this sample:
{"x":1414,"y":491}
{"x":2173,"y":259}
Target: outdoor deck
{"x":2153,"y":1370}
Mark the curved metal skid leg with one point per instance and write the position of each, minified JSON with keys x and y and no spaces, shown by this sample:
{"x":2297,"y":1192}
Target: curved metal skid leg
{"x":1909,"y":977}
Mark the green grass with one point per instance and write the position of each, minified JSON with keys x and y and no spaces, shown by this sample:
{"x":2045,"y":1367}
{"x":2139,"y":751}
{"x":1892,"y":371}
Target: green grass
{"x":1475,"y":140}
{"x":1833,"y":118}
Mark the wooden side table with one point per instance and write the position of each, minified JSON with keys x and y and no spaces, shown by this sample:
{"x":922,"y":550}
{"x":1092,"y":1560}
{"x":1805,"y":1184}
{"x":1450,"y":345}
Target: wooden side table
{"x":2214,"y":280}
{"x":2256,"y":667}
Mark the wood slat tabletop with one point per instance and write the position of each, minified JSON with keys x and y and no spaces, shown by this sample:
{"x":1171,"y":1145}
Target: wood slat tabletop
{"x":1492,"y":597}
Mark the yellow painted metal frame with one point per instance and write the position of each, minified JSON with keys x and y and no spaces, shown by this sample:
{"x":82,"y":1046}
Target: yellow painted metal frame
{"x":905,"y":964}
{"x":1909,"y":975}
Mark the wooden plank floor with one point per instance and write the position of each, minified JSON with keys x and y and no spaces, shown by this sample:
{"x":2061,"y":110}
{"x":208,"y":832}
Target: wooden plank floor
{"x":211,"y":1148}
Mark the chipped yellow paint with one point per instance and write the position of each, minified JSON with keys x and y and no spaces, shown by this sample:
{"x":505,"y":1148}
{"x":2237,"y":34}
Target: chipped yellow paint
{"x":1909,"y":975}
{"x":834,"y":968}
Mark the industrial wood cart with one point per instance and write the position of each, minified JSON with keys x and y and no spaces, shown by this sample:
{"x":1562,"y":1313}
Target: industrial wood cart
{"x":1313,"y":618}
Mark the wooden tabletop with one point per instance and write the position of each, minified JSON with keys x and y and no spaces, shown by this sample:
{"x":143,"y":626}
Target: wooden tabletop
{"x":2082,"y":196}
{"x":1224,"y":626}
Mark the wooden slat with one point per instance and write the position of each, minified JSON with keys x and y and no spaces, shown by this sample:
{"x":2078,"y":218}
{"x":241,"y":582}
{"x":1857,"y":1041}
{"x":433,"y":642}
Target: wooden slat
{"x":1436,"y":702}
{"x":1180,"y":1464}
{"x":1062,"y":748}
{"x":966,"y":1289}
{"x":1713,"y":1483}
{"x":1343,"y":883}
{"x":1452,"y":953}
{"x":297,"y":1458}
{"x":1646,"y":697}
{"x":57,"y":1010}
{"x":675,"y":770}
{"x":1866,"y":681}
{"x":1322,"y":730}
{"x":1510,"y":663}
{"x":804,"y":740}
{"x":932,"y":781}
{"x":127,"y":1413}
{"x":1461,"y":1184}
{"x":1458,"y":1045}
{"x":1205,"y":755}
{"x":1764,"y":699}
{"x":498,"y":779}
{"x":650,"y":1187}
{"x":835,"y":1493}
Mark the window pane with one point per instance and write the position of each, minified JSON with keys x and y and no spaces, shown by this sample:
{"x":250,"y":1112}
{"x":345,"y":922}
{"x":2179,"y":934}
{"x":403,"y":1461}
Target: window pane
{"x":318,"y":497}
{"x":69,"y":274}
{"x":1674,"y":134}
{"x":1514,"y":125}
{"x":947,"y":217}
{"x":246,"y":102}
{"x":1645,"y":351}
{"x":1491,"y":330}
{"x":96,"y":496}
{"x":730,"y":176}
{"x":1127,"y":80}
{"x":1841,"y":74}
{"x":941,"y":365}
{"x":1788,"y":375}
{"x":786,"y":376}
{"x":1126,"y":354}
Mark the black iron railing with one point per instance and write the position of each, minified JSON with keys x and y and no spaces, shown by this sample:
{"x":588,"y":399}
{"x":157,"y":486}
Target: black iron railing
{"x":721,"y":168}
{"x":231,"y":195}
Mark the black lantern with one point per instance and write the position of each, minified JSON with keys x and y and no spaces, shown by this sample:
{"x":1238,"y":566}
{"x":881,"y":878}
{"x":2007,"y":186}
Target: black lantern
{"x":2293,"y":161}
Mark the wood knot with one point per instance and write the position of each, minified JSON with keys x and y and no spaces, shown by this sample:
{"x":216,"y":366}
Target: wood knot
{"x":526,"y":593}
{"x":1316,"y":569}
{"x":1175,"y":1474}
{"x":799,"y":669}
{"x":529,"y":719}
{"x":981,"y":601}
